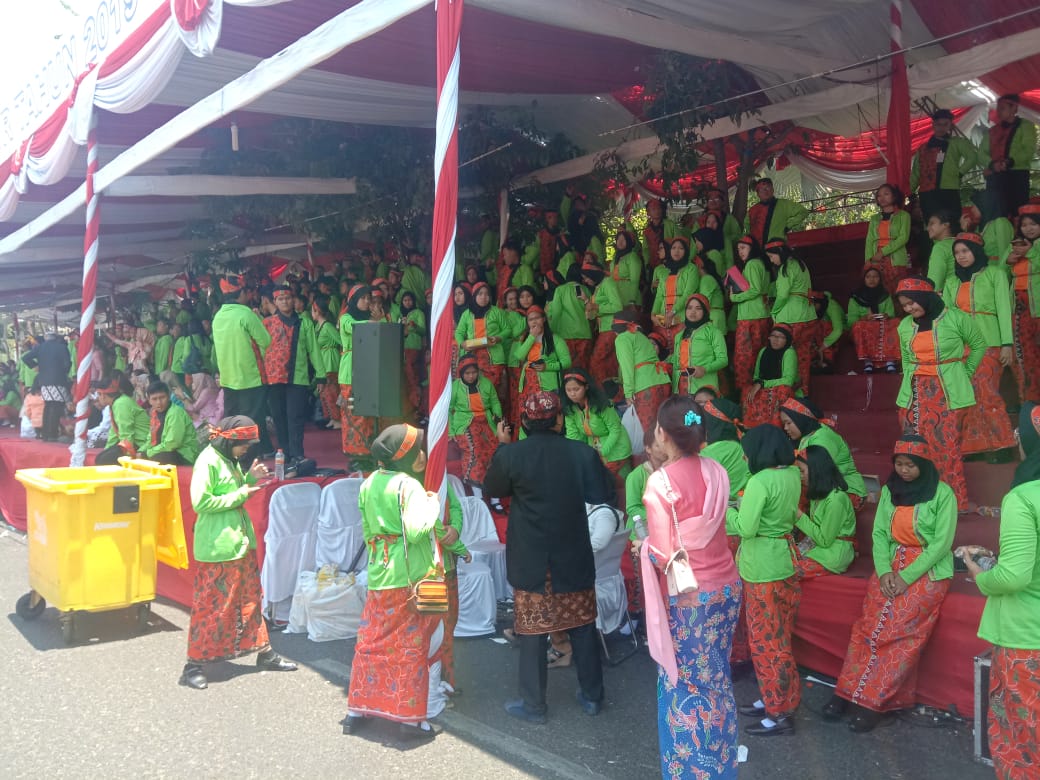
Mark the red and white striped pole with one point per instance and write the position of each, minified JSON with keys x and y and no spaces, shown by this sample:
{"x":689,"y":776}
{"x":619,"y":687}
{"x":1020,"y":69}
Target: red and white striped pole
{"x":445,"y":225}
{"x":85,"y":346}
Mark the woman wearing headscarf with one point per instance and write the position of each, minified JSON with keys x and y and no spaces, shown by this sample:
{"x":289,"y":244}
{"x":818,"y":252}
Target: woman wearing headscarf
{"x":390,"y":672}
{"x":1029,"y":442}
{"x":686,"y":516}
{"x":828,"y":545}
{"x":644,"y":377}
{"x":357,"y":430}
{"x":710,"y":263}
{"x":772,"y":591}
{"x":472,"y":416}
{"x":601,"y":307}
{"x":461,"y":300}
{"x":626,"y":269}
{"x":675,"y":281}
{"x":590,"y":417}
{"x":776,"y":373}
{"x":748,"y":287}
{"x":792,"y":306}
{"x":206,"y":402}
{"x":699,"y":351}
{"x":913,"y":532}
{"x":1024,"y":263}
{"x":1011,"y":621}
{"x":414,"y":321}
{"x":326,"y":338}
{"x":541,"y":356}
{"x":806,"y":425}
{"x":941,"y":348}
{"x":872,"y":322}
{"x":481,"y":330}
{"x":568,"y":317}
{"x":981,"y":291}
{"x":887,"y":236}
{"x":226,"y":619}
{"x":830,"y":326}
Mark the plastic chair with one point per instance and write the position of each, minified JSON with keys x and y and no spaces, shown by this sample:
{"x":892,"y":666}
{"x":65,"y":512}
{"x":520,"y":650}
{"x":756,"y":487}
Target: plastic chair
{"x":477,"y":606}
{"x":339,"y":525}
{"x":290,"y":539}
{"x":481,"y":539}
{"x":611,"y":599}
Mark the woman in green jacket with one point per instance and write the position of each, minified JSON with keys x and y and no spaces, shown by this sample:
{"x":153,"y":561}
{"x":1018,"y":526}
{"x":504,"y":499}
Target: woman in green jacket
{"x":888,"y":233}
{"x":941,"y":226}
{"x":1023,"y":262}
{"x":913,"y":532}
{"x":1011,"y":621}
{"x":541,"y":355}
{"x":748,"y":287}
{"x":872,"y":322}
{"x":481,"y":331}
{"x":699,"y":351}
{"x":830,"y":327}
{"x":326,"y":336}
{"x":414,"y":322}
{"x":590,"y":417}
{"x":226,"y":620}
{"x":772,"y":592}
{"x":675,"y":280}
{"x":982,"y":291}
{"x":626,"y":269}
{"x":357,"y":431}
{"x":792,"y":306}
{"x":941,"y":350}
{"x":644,"y":376}
{"x":806,"y":425}
{"x":775,"y":377}
{"x":829,"y":528}
{"x":473,"y":413}
{"x":601,"y":307}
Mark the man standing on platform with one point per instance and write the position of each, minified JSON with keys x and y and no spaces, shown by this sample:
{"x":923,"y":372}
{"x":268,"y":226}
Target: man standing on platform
{"x":239,"y":343}
{"x":291,"y":353}
{"x":773,"y":217}
{"x":939,"y":166}
{"x":51,"y":359}
{"x":1005,"y":155}
{"x":659,"y":230}
{"x":549,"y":557}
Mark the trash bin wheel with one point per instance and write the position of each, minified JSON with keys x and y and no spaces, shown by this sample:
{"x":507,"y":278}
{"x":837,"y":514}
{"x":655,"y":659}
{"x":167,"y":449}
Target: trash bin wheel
{"x":68,"y":628}
{"x":144,"y":612}
{"x":26,"y":610}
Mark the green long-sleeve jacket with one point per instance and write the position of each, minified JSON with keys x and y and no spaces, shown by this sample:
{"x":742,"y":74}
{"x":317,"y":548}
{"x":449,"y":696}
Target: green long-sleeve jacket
{"x":626,"y":272}
{"x":607,"y":298}
{"x":952,"y":331}
{"x":346,"y":338}
{"x":898,"y":234}
{"x":163,"y":353}
{"x":460,"y":416}
{"x":416,"y":280}
{"x":996,"y":239}
{"x":935,"y":523}
{"x":752,"y":303}
{"x":454,"y":521}
{"x":1033,"y":258}
{"x":178,"y":435}
{"x":635,"y":485}
{"x":1021,"y":152}
{"x":710,"y":289}
{"x":764,"y":522}
{"x":495,"y":325}
{"x":836,"y":447}
{"x":836,"y":317}
{"x":1011,"y":617}
{"x":990,"y":306}
{"x":219,"y":490}
{"x":706,"y":348}
{"x":831,"y":524}
{"x":671,"y":230}
{"x":637,"y":359}
{"x":788,"y":216}
{"x":516,"y":324}
{"x":792,"y":304}
{"x":961,"y":157}
{"x":396,"y":511}
{"x":730,"y":455}
{"x":788,"y":369}
{"x":687,"y":283}
{"x":326,"y":336}
{"x":182,"y":348}
{"x":566,"y":312}
{"x":240,"y":341}
{"x":555,"y":361}
{"x":858,"y":312}
{"x":941,"y":262}
{"x":129,"y":423}
{"x":606,"y":434}
{"x":414,"y":329}
{"x":489,"y":245}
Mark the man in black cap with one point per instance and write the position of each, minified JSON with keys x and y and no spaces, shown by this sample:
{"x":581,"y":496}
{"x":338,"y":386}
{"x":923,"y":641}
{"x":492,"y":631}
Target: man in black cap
{"x":1005,"y":155}
{"x":549,"y":560}
{"x":939,"y":166}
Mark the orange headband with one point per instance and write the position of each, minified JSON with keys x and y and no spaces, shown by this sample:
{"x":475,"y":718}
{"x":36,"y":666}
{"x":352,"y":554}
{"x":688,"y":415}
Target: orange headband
{"x":972,"y":238}
{"x":911,"y":284}
{"x":918,"y":448}
{"x":1034,"y":417}
{"x":245,"y":433}
{"x":411,"y":434}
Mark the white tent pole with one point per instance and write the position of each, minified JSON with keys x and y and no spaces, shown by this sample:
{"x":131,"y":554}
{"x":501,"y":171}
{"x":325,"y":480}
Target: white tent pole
{"x":191,"y":185}
{"x":357,"y":23}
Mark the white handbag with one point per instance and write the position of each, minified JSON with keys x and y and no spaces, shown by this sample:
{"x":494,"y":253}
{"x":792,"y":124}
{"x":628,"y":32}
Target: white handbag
{"x":678,"y":571}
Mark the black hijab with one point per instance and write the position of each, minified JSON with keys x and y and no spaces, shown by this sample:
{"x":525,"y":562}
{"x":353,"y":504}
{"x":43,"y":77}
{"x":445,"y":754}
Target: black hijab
{"x":1028,"y":469}
{"x":717,"y":429}
{"x":771,"y":366}
{"x":922,"y":489}
{"x":674,"y":266}
{"x":355,"y":295}
{"x":478,"y":310}
{"x":691,"y":326}
{"x":765,"y":447}
{"x":980,"y":264}
{"x":407,"y":295}
{"x":459,"y":309}
{"x":392,"y":441}
{"x":806,"y":425}
{"x":871,"y":297}
{"x":931,"y":302}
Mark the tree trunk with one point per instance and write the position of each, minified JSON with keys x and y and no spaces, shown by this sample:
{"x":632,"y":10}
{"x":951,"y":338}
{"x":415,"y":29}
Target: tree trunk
{"x":719,"y":150}
{"x":746,"y":149}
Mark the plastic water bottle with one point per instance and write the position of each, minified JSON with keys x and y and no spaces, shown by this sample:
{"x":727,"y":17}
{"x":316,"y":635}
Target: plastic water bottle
{"x":640,"y":525}
{"x":279,"y":465}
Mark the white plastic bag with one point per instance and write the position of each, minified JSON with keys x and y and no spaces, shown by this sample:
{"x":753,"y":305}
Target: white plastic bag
{"x":330,"y":612}
{"x":634,"y":428}
{"x":26,"y":431}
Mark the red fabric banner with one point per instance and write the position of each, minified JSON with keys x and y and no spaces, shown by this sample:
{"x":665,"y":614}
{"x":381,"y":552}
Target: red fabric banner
{"x":898,"y":122}
{"x":189,"y":13}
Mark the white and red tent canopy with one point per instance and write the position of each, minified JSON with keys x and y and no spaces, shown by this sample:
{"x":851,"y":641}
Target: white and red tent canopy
{"x":572,"y":63}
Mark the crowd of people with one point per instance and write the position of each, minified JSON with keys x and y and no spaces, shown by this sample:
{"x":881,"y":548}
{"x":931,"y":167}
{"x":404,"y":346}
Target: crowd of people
{"x":671,"y":377}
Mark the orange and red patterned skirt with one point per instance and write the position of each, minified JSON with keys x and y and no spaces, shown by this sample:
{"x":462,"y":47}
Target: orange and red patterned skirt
{"x":1014,"y":713}
{"x":770,"y":611}
{"x":226,"y":620}
{"x":877,"y":340}
{"x":648,"y":401}
{"x":477,"y":444}
{"x":748,"y":341}
{"x":986,"y":427}
{"x":357,"y":431}
{"x":1026,"y":365}
{"x":930,"y":416}
{"x":764,"y":408}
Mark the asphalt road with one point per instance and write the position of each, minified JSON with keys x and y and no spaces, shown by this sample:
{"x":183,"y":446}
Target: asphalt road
{"x":109,"y":706}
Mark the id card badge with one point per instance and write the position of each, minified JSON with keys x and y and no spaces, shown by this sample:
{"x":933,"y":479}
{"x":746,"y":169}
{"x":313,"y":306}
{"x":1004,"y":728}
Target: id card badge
{"x":940,"y":156}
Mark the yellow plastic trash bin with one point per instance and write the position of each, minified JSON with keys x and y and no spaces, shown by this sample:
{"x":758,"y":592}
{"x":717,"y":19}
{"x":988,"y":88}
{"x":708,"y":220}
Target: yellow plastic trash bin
{"x":95,"y":535}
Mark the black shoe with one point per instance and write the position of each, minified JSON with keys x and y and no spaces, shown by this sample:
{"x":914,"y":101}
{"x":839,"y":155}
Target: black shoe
{"x":868,"y":368}
{"x":781,"y":726}
{"x":270,"y":661}
{"x":835,"y":708}
{"x":751,"y":710}
{"x":352,"y":724}
{"x":864,"y":721}
{"x":891,"y":368}
{"x":588,"y":706}
{"x":414,"y":734}
{"x":518,"y":709}
{"x":194,"y":677}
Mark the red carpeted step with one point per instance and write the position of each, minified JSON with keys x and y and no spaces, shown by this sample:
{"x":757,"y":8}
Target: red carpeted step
{"x":862,"y":392}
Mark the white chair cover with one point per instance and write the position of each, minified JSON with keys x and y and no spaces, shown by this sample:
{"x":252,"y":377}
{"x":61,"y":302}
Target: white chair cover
{"x":332,"y":611}
{"x":477,"y":606}
{"x":339,"y":525}
{"x":611,"y":599}
{"x":481,"y":539}
{"x":292,"y":519}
